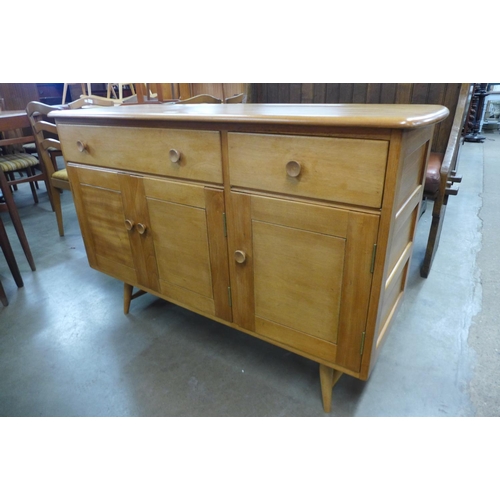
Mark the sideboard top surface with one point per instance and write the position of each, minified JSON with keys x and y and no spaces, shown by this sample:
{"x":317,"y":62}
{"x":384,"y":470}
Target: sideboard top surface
{"x":400,"y":116}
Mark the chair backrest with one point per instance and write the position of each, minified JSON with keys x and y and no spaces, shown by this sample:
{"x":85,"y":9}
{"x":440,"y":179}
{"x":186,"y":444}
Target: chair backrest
{"x":182,"y":92}
{"x":91,"y":101}
{"x":221,"y":91}
{"x":157,"y":92}
{"x":201,"y":98}
{"x":45,"y":134}
{"x":44,"y":129}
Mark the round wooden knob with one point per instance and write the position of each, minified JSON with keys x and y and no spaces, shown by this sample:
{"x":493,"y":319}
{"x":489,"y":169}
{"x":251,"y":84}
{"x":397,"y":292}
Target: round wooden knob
{"x":239,"y":256}
{"x":141,"y":228}
{"x":293,"y":168}
{"x":175,"y":156}
{"x":129,"y":224}
{"x":81,"y":146}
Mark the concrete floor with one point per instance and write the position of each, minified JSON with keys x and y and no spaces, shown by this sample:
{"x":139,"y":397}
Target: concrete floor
{"x":67,"y":349}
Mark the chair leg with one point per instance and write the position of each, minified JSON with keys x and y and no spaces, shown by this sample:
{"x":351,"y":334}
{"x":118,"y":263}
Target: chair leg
{"x":65,"y":90}
{"x":438,"y":213}
{"x":56,"y":205}
{"x":3,"y":296}
{"x":9,"y":256}
{"x":16,"y":220}
{"x":33,"y":188}
{"x":12,"y":177}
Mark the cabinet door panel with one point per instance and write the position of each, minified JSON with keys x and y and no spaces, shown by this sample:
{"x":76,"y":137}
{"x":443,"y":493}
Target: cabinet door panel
{"x":306,"y":279}
{"x":298,"y":278}
{"x":181,"y":243}
{"x":190,"y":246}
{"x":162,"y":235}
{"x":100,"y":213}
{"x":135,"y":210}
{"x":105,"y":222}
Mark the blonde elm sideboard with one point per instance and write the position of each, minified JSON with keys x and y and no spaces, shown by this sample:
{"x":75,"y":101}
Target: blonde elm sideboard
{"x":292,"y":223}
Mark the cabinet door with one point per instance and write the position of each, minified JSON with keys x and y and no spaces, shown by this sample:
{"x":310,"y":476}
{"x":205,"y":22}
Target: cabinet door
{"x":188,"y":232}
{"x":301,"y":274}
{"x":161,"y":235}
{"x":99,"y":206}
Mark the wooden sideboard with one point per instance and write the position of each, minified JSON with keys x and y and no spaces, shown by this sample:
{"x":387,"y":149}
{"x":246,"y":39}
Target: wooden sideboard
{"x":292,"y":223}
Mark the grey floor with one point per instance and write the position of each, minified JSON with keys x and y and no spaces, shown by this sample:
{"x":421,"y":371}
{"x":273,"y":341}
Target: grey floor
{"x":67,"y":349}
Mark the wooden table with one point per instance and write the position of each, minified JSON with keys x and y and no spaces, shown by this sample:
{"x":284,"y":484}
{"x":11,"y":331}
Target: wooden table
{"x":291,"y":223}
{"x":10,"y":120}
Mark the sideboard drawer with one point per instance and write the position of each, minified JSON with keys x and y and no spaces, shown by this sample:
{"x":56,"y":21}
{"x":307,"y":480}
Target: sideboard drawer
{"x":187,"y":154}
{"x":336,"y":169}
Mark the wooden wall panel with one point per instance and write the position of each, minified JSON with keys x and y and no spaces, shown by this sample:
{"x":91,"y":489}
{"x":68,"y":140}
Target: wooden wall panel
{"x":445,"y":94}
{"x":18,"y":95}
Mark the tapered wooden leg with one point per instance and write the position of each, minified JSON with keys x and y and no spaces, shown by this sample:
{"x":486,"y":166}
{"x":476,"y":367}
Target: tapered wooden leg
{"x":16,"y":221}
{"x":127,"y":297}
{"x":328,"y":378}
{"x":56,"y":205}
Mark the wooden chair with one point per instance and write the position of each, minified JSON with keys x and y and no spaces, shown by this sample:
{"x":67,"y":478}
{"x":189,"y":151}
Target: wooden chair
{"x":3,"y":295}
{"x":11,"y":262}
{"x":85,"y":92}
{"x":111,"y":90}
{"x":49,"y":147}
{"x":156,"y":93}
{"x":441,"y":177}
{"x":8,"y":205}
{"x":237,"y":98}
{"x":190,"y":92}
{"x":222,"y":91}
{"x":201,"y":98}
{"x":91,"y":101}
{"x":14,"y":161}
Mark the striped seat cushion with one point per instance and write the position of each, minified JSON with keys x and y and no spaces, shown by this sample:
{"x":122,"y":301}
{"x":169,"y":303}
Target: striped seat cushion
{"x":17,"y":161}
{"x":61,"y":175}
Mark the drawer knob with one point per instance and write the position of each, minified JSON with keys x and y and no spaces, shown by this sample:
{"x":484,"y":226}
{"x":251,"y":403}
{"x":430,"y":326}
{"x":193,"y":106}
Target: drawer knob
{"x":81,"y":146}
{"x":175,"y":156}
{"x":141,"y":228}
{"x":129,"y":224}
{"x":293,"y":168}
{"x":239,"y":256}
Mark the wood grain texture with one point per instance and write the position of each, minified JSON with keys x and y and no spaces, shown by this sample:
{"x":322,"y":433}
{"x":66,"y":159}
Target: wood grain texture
{"x":200,"y":150}
{"x":408,"y":155}
{"x":217,"y":241}
{"x":181,"y":240}
{"x":242,"y":276}
{"x":378,"y":116}
{"x":306,"y":216}
{"x":297,"y":278}
{"x":445,"y":94}
{"x":258,"y":161}
{"x":298,"y":267}
{"x":100,"y":214}
{"x":135,"y":208}
{"x":448,"y":166}
{"x":356,"y":287}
